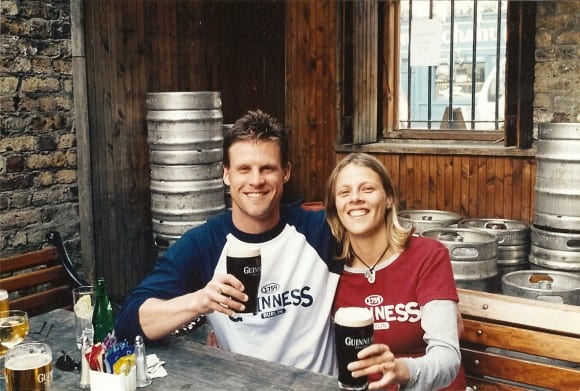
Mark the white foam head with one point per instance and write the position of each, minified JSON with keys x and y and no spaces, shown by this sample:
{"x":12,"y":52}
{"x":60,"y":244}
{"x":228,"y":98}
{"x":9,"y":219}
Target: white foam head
{"x":29,"y":361}
{"x":353,"y":317}
{"x":238,"y":250}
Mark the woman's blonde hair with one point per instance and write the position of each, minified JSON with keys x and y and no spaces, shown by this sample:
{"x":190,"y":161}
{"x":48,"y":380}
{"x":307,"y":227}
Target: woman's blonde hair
{"x":397,"y":234}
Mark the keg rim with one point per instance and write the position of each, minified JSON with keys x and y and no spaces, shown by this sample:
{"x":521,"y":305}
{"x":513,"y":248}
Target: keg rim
{"x":506,"y":280}
{"x":446,"y":215}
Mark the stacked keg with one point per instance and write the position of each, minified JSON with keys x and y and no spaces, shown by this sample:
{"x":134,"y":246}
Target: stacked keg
{"x":423,"y":220}
{"x":185,"y":154}
{"x":473,"y":255}
{"x":473,"y":252}
{"x":513,"y":241}
{"x":555,"y":233}
{"x":556,"y":230}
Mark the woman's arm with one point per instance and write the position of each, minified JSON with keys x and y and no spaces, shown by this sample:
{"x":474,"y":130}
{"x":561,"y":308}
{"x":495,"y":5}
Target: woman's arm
{"x":440,"y":364}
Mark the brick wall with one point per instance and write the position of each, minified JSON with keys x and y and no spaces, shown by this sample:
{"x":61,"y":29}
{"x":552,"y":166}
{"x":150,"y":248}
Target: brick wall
{"x":38,"y":177}
{"x":557,"y":85}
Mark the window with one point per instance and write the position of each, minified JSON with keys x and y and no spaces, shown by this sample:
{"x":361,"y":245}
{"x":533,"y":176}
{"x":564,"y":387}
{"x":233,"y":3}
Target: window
{"x":474,"y":81}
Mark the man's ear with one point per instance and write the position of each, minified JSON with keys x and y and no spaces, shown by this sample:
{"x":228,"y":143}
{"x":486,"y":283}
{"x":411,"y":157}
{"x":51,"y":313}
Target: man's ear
{"x":226,"y":176}
{"x":287,"y":172}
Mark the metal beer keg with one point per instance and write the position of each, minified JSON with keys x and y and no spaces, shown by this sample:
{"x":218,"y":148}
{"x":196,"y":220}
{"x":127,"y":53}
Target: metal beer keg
{"x":555,"y":249}
{"x":544,"y":285}
{"x":185,"y":139}
{"x":427,"y":219}
{"x":513,"y":238}
{"x":473,"y":255}
{"x":557,"y":195}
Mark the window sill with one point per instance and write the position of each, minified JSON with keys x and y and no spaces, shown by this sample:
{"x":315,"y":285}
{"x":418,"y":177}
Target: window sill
{"x":438,"y":147}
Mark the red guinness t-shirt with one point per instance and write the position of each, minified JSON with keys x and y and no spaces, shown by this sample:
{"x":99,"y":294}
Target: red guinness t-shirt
{"x":420,"y":274}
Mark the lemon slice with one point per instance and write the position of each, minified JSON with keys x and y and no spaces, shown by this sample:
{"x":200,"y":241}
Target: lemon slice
{"x":83,"y":308}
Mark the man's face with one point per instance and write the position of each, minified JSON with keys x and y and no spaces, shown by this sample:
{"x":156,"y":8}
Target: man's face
{"x":256,"y":179}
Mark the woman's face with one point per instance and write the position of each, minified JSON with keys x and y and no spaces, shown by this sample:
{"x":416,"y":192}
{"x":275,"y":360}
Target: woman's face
{"x":361,"y":201}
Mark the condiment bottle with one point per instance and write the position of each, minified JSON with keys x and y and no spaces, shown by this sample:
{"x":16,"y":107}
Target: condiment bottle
{"x":102,"y":313}
{"x":85,"y":381}
{"x":143,"y":378}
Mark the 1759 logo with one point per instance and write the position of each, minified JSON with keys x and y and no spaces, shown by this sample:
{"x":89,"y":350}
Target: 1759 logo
{"x":270,"y":288}
{"x":373,"y":300}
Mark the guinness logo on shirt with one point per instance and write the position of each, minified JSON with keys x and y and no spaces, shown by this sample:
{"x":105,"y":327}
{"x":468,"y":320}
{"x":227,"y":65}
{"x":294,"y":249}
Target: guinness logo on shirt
{"x":383,"y":314}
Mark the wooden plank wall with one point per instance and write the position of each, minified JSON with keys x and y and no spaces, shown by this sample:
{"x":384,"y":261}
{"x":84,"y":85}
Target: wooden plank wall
{"x":118,"y":145}
{"x":236,"y":48}
{"x":134,"y":47}
{"x":278,"y":56}
{"x":311,"y":93}
{"x":473,"y":186}
{"x":365,"y":57}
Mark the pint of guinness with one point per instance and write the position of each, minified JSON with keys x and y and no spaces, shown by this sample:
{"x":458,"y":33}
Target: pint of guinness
{"x":245,"y":263}
{"x":28,"y":366}
{"x":353,"y":332}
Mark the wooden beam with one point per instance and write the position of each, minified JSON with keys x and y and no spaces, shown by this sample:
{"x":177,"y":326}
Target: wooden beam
{"x":518,"y":310}
{"x":81,"y":112}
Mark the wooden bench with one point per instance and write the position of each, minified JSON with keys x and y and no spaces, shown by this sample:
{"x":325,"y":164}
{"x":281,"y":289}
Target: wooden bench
{"x":36,"y":281}
{"x":513,"y":343}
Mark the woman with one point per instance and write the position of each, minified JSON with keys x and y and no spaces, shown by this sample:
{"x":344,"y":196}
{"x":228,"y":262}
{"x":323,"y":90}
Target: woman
{"x":404,"y":280}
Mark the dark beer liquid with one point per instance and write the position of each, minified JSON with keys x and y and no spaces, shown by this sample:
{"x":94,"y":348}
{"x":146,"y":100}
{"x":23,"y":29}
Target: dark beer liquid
{"x":349,"y":341}
{"x":248,"y":271}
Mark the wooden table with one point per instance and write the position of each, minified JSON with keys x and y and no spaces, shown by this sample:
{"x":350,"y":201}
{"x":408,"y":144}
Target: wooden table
{"x":190,"y":365}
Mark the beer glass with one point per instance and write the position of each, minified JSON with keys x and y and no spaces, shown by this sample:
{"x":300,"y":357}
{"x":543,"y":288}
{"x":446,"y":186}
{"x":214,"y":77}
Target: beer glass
{"x":245,"y":263}
{"x":4,"y":305}
{"x":83,"y":305}
{"x":13,"y":328}
{"x":29,"y":367}
{"x":353,"y":332}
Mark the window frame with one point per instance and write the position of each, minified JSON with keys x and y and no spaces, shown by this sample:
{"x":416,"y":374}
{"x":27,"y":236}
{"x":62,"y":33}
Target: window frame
{"x":375,"y":110}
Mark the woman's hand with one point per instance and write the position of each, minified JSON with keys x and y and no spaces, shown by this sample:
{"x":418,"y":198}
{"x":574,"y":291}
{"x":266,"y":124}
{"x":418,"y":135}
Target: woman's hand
{"x":378,"y":358}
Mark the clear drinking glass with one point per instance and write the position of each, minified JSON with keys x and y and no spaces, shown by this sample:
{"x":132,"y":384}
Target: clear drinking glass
{"x":83,"y":305}
{"x":29,"y":367}
{"x":4,"y":304}
{"x":13,"y":329}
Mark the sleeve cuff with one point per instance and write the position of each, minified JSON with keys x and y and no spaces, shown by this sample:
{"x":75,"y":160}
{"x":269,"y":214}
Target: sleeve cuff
{"x":414,"y":372}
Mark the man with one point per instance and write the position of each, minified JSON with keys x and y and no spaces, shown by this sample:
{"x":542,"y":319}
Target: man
{"x":298,"y":278}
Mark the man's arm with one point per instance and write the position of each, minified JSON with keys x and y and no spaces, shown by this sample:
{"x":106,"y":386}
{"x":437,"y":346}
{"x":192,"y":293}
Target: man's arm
{"x":155,"y":318}
{"x":158,"y":318}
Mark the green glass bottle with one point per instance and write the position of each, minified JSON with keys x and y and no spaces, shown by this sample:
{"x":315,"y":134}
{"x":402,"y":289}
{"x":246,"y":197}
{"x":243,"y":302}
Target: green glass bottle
{"x":102,"y":313}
